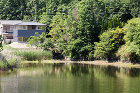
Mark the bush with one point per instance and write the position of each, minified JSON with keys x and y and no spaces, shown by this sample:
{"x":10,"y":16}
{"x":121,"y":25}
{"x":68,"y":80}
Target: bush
{"x":128,"y":53}
{"x":7,"y":64}
{"x":79,"y":49}
{"x":131,"y":50}
{"x":47,"y":55}
{"x":109,"y":43}
{"x":91,"y":56}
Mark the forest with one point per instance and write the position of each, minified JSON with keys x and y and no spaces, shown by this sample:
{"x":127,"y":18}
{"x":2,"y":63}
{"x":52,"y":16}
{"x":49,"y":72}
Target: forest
{"x":82,"y":29}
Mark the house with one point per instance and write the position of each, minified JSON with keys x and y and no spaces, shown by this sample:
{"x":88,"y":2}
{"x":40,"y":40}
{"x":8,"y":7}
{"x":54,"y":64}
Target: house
{"x":19,"y":31}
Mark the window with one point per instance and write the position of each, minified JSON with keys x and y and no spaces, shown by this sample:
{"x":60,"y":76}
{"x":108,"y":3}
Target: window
{"x":24,"y":27}
{"x":22,"y":39}
{"x":25,"y":39}
{"x":33,"y":27}
{"x":41,"y":27}
{"x":11,"y":28}
{"x":9,"y":37}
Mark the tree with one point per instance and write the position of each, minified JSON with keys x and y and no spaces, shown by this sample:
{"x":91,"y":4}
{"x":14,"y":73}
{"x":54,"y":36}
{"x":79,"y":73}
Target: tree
{"x":37,"y":40}
{"x":58,"y":32}
{"x":109,"y":43}
{"x":86,"y":29}
{"x":131,"y":50}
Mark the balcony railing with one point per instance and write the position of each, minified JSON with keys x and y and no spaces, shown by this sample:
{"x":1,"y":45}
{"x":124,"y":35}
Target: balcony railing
{"x":8,"y":31}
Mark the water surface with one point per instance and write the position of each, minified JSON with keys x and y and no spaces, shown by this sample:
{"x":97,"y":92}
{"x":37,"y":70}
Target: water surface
{"x":70,"y":78}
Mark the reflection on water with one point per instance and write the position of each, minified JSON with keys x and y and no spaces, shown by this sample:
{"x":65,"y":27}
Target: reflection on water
{"x":71,"y":78}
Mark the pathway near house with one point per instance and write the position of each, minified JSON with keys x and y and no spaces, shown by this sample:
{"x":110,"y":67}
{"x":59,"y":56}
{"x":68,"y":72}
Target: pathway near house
{"x":20,"y":45}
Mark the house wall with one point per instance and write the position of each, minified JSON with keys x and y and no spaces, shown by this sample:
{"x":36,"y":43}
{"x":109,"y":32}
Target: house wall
{"x":8,"y":38}
{"x":7,"y":28}
{"x":27,"y":28}
{"x":1,"y":28}
{"x":21,"y":28}
{"x":15,"y":33}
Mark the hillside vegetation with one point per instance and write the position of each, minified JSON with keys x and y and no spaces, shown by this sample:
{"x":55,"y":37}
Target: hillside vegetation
{"x":82,"y":29}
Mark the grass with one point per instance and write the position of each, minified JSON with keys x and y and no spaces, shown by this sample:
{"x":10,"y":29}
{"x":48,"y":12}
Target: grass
{"x":29,"y":54}
{"x":34,"y":55}
{"x":10,"y":57}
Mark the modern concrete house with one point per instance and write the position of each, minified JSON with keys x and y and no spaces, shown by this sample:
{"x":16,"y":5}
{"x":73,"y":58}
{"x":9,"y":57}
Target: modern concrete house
{"x":18,"y":31}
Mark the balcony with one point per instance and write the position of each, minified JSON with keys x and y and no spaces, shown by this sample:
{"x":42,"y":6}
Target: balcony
{"x":28,"y":33}
{"x":7,"y":32}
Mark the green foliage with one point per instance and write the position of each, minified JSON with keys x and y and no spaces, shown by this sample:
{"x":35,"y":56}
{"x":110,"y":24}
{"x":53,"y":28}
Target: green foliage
{"x":88,"y":20}
{"x":33,"y":55}
{"x":109,"y":43}
{"x":84,"y":29}
{"x":75,"y":25}
{"x":48,"y":44}
{"x":58,"y":33}
{"x":58,"y":26}
{"x":46,"y":9}
{"x":19,"y":9}
{"x":79,"y":49}
{"x":37,"y":39}
{"x":91,"y":56}
{"x":112,"y":22}
{"x":131,"y":50}
{"x":7,"y":64}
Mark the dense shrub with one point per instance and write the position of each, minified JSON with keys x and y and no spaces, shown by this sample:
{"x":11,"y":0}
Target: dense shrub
{"x":131,"y":50}
{"x":109,"y":43}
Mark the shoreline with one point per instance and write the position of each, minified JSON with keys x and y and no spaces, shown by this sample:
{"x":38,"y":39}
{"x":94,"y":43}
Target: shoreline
{"x":96,"y":62}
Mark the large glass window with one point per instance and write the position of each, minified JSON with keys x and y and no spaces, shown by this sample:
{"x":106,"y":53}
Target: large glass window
{"x":24,"y":27}
{"x":25,"y":39}
{"x":33,"y":27}
{"x":41,"y":27}
{"x":11,"y":28}
{"x":9,"y":37}
{"x":22,"y":39}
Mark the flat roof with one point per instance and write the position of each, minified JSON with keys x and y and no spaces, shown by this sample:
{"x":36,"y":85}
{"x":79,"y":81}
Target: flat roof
{"x":30,"y":23}
{"x":10,"y":22}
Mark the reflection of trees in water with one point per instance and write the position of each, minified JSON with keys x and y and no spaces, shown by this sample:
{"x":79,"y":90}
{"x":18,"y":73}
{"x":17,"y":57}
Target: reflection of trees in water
{"x":82,"y":69}
{"x":106,"y":70}
{"x":54,"y":69}
{"x":79,"y":69}
{"x":73,"y":69}
{"x":111,"y":71}
{"x":132,"y":72}
{"x":58,"y":67}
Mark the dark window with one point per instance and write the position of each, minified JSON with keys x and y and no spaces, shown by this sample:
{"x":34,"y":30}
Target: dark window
{"x":9,"y":37}
{"x":33,"y":27}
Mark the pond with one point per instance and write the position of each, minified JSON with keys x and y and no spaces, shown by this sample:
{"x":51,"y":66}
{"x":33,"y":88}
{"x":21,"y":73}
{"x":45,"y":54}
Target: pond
{"x":70,"y":78}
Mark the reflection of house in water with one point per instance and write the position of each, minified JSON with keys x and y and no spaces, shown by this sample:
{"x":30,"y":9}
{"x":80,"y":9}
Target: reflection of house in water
{"x":9,"y":85}
{"x":19,"y":84}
